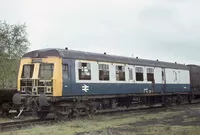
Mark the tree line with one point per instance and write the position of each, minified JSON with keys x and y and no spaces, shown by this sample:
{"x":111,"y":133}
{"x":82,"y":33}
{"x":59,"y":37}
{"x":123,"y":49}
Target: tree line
{"x":13,"y":44}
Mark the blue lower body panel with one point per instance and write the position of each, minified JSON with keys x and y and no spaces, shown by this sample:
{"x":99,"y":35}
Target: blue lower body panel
{"x":121,"y":88}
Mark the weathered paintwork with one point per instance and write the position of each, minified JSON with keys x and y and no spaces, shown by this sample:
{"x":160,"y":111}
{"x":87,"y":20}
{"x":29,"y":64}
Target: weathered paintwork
{"x":108,"y":89}
{"x":70,"y":86}
{"x":57,"y":76}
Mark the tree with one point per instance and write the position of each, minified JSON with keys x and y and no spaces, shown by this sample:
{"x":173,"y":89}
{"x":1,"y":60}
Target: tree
{"x":13,"y":44}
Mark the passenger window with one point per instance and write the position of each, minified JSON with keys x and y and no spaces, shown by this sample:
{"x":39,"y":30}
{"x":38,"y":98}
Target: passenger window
{"x":65,"y":71}
{"x":84,"y":71}
{"x":130,"y":73}
{"x":139,"y":74}
{"x":120,"y":73}
{"x":150,"y":74}
{"x":104,"y":72}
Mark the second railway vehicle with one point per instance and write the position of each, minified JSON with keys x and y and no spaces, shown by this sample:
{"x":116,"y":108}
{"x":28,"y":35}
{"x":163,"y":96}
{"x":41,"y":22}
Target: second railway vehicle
{"x":68,"y":82}
{"x":6,"y":96}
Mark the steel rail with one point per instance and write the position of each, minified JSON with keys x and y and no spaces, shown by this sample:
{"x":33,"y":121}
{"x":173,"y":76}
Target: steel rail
{"x":16,"y":125}
{"x":23,"y":124}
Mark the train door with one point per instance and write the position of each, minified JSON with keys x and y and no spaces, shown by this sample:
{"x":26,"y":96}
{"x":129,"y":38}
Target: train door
{"x":130,"y":72}
{"x":163,"y":80}
{"x":176,"y":86}
{"x":66,"y":75}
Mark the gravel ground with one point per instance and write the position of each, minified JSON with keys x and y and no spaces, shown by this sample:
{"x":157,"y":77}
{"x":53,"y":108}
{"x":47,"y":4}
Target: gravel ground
{"x":177,"y":120}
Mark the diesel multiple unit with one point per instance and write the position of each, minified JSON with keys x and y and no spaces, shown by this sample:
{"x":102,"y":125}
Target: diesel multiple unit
{"x":68,"y":82}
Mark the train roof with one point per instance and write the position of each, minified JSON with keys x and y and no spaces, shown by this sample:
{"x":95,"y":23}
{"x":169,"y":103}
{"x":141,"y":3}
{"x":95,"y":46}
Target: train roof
{"x":74,"y":54}
{"x":193,"y":65}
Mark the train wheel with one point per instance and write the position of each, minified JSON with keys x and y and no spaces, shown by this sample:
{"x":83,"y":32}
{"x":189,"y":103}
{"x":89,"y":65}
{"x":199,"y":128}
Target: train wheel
{"x":57,"y":115}
{"x":90,"y":111}
{"x":166,"y":102}
{"x":77,"y":112}
{"x":42,"y":112}
{"x":61,"y":116}
{"x":42,"y":115}
{"x":189,"y":99}
{"x":62,"y":112}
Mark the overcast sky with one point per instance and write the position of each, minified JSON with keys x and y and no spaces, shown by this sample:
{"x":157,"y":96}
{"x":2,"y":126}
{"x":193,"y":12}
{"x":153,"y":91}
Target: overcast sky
{"x":168,"y":30}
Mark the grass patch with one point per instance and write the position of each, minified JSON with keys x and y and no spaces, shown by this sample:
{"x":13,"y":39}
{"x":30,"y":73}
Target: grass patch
{"x":2,"y":120}
{"x":160,"y":130}
{"x":99,"y":123}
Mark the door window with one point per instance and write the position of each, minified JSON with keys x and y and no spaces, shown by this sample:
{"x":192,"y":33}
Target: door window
{"x":130,"y":73}
{"x":163,"y":75}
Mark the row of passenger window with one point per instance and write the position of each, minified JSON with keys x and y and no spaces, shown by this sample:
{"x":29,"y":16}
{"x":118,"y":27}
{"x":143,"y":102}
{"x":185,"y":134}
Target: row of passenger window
{"x":84,"y":72}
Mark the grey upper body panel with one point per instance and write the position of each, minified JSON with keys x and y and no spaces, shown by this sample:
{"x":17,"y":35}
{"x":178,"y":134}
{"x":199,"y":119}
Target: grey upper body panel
{"x":81,"y":55}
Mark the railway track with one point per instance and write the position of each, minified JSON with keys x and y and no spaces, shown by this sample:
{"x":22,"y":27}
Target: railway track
{"x":23,"y":124}
{"x":16,"y":125}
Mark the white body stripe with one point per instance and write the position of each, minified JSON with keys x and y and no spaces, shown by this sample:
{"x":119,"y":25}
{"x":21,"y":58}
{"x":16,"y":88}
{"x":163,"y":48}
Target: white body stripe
{"x":183,"y":76}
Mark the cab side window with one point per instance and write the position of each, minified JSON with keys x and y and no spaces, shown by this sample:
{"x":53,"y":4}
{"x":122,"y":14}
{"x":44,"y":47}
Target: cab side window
{"x":65,"y":70}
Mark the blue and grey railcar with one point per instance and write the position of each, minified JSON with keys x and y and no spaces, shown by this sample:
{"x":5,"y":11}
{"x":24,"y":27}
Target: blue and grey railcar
{"x":73,"y":81}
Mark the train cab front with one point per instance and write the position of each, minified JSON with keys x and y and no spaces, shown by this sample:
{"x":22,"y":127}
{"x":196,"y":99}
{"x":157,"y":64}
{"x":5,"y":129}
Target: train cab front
{"x":36,"y":82}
